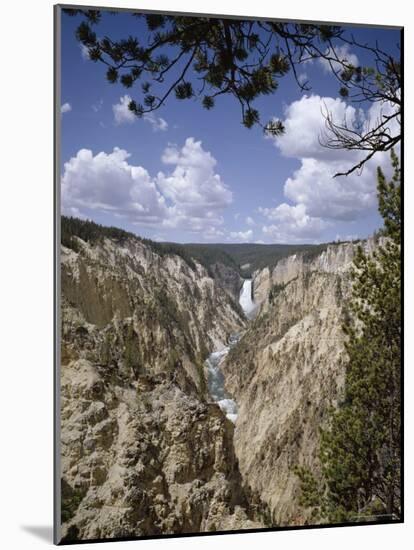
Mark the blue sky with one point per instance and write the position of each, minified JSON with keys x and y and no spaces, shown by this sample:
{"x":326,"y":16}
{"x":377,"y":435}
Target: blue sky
{"x":190,"y":175}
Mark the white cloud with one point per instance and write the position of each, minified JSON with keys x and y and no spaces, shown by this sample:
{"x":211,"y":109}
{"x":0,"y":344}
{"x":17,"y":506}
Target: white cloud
{"x":158,"y":124}
{"x":305,"y":126}
{"x":121,"y":111}
{"x":75,"y":212}
{"x":65,"y":108}
{"x":84,"y":52}
{"x":313,"y":183}
{"x":318,"y":197}
{"x":342,"y":53}
{"x":341,"y":198}
{"x":292,"y":224}
{"x":196,"y":191}
{"x":191,"y":196}
{"x":303,"y":78}
{"x":250,"y":221}
{"x":158,"y":237}
{"x":242,"y":235}
{"x":108,"y":183}
{"x":123,"y":115}
{"x":96,"y":107}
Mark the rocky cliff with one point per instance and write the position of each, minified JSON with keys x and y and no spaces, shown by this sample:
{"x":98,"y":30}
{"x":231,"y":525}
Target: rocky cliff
{"x":228,"y":278}
{"x":286,"y":372}
{"x":143,"y":451}
{"x":337,"y":258}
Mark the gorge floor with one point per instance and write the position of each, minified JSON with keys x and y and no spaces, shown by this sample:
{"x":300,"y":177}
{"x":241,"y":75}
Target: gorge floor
{"x":215,"y":377}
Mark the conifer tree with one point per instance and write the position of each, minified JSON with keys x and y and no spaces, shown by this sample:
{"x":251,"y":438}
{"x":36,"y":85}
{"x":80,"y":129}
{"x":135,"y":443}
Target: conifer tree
{"x":360,"y":449}
{"x":190,"y":57}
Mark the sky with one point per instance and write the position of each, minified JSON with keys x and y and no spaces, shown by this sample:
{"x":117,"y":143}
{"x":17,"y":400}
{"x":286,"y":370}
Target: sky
{"x":186,"y":174}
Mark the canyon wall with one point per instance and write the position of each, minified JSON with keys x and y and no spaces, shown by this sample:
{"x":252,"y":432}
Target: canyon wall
{"x":287,"y":371}
{"x":143,"y":451}
{"x":337,"y":258}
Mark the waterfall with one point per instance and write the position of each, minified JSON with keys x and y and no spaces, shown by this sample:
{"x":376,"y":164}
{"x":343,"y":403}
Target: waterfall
{"x":245,"y":300}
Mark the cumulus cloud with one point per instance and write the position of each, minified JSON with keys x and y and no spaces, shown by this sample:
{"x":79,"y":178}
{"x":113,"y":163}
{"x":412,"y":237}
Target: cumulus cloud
{"x":305,"y":127}
{"x":65,"y":108}
{"x":250,"y":221}
{"x":242,"y":235}
{"x":108,"y":183}
{"x":343,"y":54}
{"x":318,"y":198}
{"x":196,"y":191}
{"x":191,"y":196}
{"x":292,"y":224}
{"x":123,"y":115}
{"x":313,"y":184}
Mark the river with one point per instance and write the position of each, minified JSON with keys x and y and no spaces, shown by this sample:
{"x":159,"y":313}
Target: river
{"x":215,"y":379}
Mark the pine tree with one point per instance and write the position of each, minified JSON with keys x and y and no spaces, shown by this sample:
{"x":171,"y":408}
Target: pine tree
{"x":360,"y":449}
{"x":202,"y":57}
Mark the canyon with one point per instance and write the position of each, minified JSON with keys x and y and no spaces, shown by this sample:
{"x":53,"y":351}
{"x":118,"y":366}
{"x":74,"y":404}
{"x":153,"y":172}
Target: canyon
{"x":188,"y":395}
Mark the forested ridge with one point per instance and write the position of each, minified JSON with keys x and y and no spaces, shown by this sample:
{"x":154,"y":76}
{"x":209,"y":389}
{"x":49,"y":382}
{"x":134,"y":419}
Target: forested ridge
{"x":243,"y":258}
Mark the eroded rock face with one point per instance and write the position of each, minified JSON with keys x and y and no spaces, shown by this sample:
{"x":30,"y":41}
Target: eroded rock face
{"x":286,"y":372}
{"x":262,"y":281}
{"x":337,"y":258}
{"x":147,"y":459}
{"x":143,"y":452}
{"x":227,"y":278}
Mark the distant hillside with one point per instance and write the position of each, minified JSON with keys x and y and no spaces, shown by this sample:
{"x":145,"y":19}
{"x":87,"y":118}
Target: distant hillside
{"x":209,"y":254}
{"x":242,"y":258}
{"x":249,"y":257}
